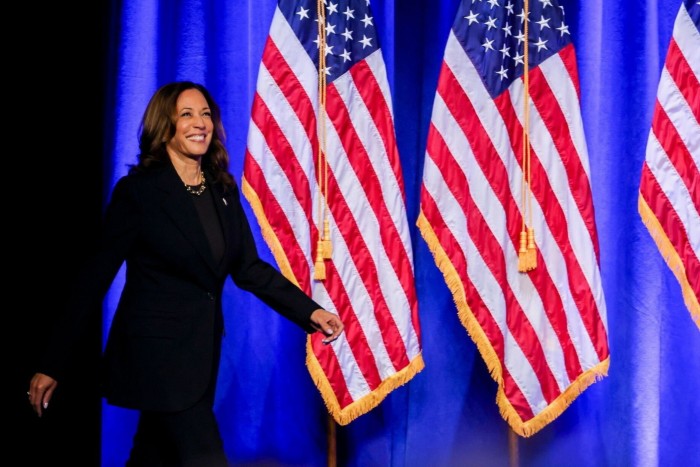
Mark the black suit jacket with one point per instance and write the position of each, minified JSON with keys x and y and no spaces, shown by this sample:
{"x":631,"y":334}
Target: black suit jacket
{"x":162,"y":352}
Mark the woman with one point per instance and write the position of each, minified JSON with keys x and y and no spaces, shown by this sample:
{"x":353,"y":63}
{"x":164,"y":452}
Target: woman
{"x":177,"y":221}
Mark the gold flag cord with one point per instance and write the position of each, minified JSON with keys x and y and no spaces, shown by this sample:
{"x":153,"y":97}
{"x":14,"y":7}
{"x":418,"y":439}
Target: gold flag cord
{"x":527,"y":254}
{"x":327,"y":246}
{"x":323,"y":246}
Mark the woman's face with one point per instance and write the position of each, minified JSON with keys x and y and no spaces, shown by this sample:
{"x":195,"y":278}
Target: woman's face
{"x":193,"y":126}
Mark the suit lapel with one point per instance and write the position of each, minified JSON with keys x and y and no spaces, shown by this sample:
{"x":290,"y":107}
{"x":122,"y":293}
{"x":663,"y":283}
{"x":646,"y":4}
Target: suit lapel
{"x":178,"y":205}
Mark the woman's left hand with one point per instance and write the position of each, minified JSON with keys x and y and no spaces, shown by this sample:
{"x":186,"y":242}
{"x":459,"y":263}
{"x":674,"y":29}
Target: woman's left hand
{"x":41,"y":389}
{"x":328,"y":323}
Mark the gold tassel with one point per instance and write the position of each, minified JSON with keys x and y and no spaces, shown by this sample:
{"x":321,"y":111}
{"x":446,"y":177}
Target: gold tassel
{"x":527,"y":254}
{"x":522,"y":253}
{"x":327,"y":245}
{"x":531,"y":250}
{"x":319,"y":266}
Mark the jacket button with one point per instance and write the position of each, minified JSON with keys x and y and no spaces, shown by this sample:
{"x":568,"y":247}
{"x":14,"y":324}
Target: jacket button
{"x":210,"y":296}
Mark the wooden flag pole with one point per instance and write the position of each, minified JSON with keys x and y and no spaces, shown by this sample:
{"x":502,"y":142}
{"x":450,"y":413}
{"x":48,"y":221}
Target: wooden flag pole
{"x":323,"y":248}
{"x":332,"y":455}
{"x":513,"y":448}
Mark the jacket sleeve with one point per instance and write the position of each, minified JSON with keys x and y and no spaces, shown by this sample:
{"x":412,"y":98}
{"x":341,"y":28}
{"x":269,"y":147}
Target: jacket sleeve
{"x":120,"y":228}
{"x":255,"y":275}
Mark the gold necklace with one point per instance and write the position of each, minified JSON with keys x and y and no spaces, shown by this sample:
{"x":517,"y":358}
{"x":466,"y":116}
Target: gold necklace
{"x":197,"y":189}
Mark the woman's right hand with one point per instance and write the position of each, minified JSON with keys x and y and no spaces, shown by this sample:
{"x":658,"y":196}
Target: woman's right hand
{"x":41,"y":389}
{"x":328,"y":323}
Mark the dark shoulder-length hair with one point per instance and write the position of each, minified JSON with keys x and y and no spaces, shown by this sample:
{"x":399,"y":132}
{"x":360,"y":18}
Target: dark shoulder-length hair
{"x":158,"y":127}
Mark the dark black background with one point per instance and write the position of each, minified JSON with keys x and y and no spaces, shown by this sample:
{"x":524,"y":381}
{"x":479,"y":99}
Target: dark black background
{"x":56,"y":72}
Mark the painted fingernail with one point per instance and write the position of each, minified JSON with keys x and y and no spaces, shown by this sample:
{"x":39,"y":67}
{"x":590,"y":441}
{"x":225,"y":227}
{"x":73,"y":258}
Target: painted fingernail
{"x":46,"y":405}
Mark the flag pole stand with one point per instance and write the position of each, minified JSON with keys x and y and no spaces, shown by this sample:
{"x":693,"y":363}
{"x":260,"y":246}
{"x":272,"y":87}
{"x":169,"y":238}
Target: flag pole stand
{"x":331,"y":442}
{"x":512,"y":448}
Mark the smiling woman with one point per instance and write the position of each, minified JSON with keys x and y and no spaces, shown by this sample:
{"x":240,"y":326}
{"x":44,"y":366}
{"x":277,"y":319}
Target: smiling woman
{"x":193,"y":135}
{"x":179,"y":245}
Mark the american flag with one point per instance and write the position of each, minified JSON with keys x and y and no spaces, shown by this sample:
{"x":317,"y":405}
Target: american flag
{"x":369,"y":279}
{"x":669,"y":191}
{"x":542,"y":333}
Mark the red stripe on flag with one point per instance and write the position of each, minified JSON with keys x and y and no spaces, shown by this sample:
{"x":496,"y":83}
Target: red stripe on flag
{"x":468,"y":98}
{"x":361,"y":164}
{"x":370,"y":90}
{"x":669,"y":207}
{"x":368,"y":87}
{"x":357,"y":341}
{"x":553,"y":117}
{"x":664,"y":211}
{"x":559,"y":227}
{"x":516,"y":398}
{"x":497,"y":174}
{"x":480,"y":232}
{"x":293,"y":91}
{"x":568,"y":57}
{"x":295,"y":254}
{"x":682,"y":74}
{"x":357,"y":366}
{"x":299,"y":263}
{"x":475,"y":303}
{"x":677,"y":152}
{"x":283,"y":154}
{"x":359,"y":251}
{"x":445,"y":162}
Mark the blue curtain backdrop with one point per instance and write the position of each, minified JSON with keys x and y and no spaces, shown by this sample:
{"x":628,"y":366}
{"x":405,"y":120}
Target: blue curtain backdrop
{"x":645,"y":413}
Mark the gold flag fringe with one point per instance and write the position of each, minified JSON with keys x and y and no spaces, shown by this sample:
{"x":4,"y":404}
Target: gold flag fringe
{"x":345,"y":415}
{"x":556,"y":407}
{"x":671,"y":257}
{"x":488,"y":354}
{"x":360,"y":407}
{"x":475,"y":331}
{"x":268,"y":233}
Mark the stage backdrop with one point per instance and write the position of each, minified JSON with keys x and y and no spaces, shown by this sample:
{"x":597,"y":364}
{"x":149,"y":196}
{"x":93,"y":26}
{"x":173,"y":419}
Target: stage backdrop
{"x":644,"y":413}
